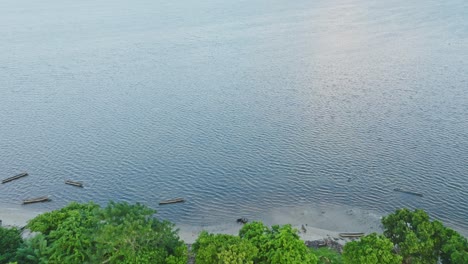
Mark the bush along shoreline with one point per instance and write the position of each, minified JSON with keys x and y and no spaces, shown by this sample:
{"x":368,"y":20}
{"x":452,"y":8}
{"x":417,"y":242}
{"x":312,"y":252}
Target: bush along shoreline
{"x":129,"y":233}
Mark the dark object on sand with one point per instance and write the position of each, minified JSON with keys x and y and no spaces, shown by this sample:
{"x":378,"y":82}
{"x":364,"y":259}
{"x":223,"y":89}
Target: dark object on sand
{"x":74,"y":183}
{"x":408,"y":192}
{"x":21,"y":175}
{"x":316,"y":244}
{"x":242,"y":220}
{"x":327,"y":242}
{"x":176,"y":200}
{"x":37,"y":200}
{"x":352,"y":235}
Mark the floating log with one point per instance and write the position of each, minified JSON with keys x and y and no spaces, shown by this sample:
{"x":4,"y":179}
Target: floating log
{"x":74,"y":183}
{"x":37,"y":200}
{"x":176,"y":200}
{"x":352,"y":235}
{"x":408,"y":192}
{"x":21,"y":175}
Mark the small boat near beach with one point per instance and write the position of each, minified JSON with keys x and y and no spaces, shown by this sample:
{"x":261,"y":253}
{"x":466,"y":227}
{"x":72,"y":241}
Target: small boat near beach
{"x":21,"y":175}
{"x":74,"y":183}
{"x":176,"y":200}
{"x":408,"y":192}
{"x":351,"y":235}
{"x":37,"y":200}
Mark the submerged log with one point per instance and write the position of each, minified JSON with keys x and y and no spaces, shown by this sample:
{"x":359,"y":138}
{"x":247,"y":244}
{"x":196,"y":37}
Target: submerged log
{"x":355,"y":234}
{"x":408,"y":192}
{"x":176,"y":200}
{"x":21,"y":175}
{"x":74,"y":183}
{"x":37,"y":200}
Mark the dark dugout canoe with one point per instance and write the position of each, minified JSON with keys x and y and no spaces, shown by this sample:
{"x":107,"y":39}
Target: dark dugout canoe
{"x":21,"y":175}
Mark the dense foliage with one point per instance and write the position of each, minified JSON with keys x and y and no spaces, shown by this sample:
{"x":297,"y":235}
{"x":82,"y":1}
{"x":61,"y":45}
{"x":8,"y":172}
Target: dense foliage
{"x":10,"y":240}
{"x":371,"y":249}
{"x":118,"y":233}
{"x":124,"y":233}
{"x":220,"y":248}
{"x":327,"y":255}
{"x":278,"y":244}
{"x":256,"y":243}
{"x":420,"y":240}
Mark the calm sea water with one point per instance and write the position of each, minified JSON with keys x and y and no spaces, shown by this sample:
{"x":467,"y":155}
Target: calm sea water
{"x":237,"y":106}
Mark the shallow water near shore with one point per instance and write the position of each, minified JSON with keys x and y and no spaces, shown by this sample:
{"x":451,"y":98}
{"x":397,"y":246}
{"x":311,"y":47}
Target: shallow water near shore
{"x":240,"y":107}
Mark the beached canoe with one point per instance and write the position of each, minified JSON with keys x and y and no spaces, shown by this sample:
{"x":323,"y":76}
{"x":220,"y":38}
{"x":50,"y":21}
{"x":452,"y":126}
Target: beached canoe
{"x":74,"y":183}
{"x":21,"y":175}
{"x":408,"y":192}
{"x":176,"y":200}
{"x":351,"y":235}
{"x":37,"y":200}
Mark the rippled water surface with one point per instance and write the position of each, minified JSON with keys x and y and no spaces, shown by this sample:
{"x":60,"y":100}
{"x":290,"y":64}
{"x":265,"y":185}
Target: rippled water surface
{"x":238,"y":106}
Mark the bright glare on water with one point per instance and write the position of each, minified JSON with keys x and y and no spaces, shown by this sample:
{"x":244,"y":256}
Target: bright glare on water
{"x":237,"y":106}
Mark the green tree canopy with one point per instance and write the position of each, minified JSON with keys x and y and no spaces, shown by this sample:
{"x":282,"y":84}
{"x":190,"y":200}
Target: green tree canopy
{"x":278,"y":244}
{"x":223,"y":249}
{"x":10,"y":241}
{"x":420,"y":240}
{"x":371,"y":249}
{"x":118,"y":233}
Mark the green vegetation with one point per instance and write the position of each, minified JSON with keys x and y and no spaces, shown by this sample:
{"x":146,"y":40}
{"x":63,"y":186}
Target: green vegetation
{"x":277,"y":244}
{"x":124,"y":233}
{"x":256,"y":243}
{"x":420,"y":240}
{"x":118,"y":233}
{"x":371,"y":249}
{"x":221,"y":248}
{"x":327,"y":255}
{"x":10,"y":240}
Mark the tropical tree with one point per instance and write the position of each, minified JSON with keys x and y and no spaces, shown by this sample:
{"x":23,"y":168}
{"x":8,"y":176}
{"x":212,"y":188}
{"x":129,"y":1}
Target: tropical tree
{"x":454,"y":248}
{"x":10,"y":241}
{"x":118,"y":233}
{"x":417,"y":239}
{"x":327,"y":255}
{"x":223,"y":249}
{"x":33,"y":251}
{"x":278,"y":244}
{"x":130,"y":234}
{"x":371,"y":249}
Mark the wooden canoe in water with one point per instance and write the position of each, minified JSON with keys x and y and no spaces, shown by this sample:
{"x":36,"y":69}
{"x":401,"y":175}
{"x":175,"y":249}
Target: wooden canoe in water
{"x":176,"y":200}
{"x":74,"y":183}
{"x":21,"y":175}
{"x":352,"y":235}
{"x":37,"y":200}
{"x":408,"y":192}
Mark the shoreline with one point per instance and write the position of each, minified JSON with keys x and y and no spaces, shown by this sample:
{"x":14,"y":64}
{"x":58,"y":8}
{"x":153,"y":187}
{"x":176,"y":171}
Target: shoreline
{"x":313,"y":223}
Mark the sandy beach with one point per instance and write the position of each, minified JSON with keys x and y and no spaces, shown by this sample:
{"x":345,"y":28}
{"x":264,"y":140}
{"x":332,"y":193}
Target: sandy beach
{"x":16,"y":215}
{"x":313,"y":223}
